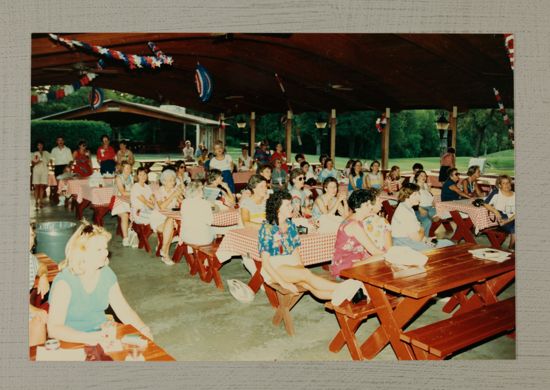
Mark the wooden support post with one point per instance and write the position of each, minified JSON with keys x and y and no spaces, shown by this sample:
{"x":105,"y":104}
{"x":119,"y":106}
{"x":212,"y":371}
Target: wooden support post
{"x":251,"y":147}
{"x":221,"y":133}
{"x":289,"y":136}
{"x":453,"y":124}
{"x":333,"y":135}
{"x":386,"y":140}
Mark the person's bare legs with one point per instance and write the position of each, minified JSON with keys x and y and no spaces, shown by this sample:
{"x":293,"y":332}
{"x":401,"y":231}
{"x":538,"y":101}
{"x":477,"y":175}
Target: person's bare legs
{"x":320,"y":287}
{"x":36,"y":195}
{"x":124,"y":222}
{"x":167,"y":235}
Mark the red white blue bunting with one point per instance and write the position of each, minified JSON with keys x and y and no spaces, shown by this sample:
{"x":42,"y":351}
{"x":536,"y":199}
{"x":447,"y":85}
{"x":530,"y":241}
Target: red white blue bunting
{"x":381,"y":123}
{"x":203,"y":82}
{"x":505,"y":116}
{"x":60,"y":93}
{"x":509,"y":43}
{"x":133,"y":61}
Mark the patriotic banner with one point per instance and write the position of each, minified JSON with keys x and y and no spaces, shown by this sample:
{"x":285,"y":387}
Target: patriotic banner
{"x":381,"y":122}
{"x":203,"y":82}
{"x":96,"y":98}
{"x":505,"y":117}
{"x":509,"y":43}
{"x":63,"y":91}
{"x":131,"y":60}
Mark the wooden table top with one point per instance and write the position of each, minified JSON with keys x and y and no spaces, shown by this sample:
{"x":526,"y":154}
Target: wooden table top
{"x":53,"y":268}
{"x":446,"y":269}
{"x":152,"y":353}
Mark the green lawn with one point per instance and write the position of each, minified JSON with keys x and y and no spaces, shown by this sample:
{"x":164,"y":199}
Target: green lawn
{"x":500,"y":162}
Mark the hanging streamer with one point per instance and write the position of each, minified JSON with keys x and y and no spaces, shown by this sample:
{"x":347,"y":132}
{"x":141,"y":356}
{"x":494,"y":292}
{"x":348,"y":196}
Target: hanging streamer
{"x":505,"y":116}
{"x":203,"y":82}
{"x":381,"y":122}
{"x":131,"y":60}
{"x":63,"y":91}
{"x":509,"y":43}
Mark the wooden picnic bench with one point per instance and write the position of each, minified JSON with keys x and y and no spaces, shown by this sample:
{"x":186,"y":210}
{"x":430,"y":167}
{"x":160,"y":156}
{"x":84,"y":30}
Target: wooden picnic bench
{"x":443,"y":338}
{"x":285,"y":302}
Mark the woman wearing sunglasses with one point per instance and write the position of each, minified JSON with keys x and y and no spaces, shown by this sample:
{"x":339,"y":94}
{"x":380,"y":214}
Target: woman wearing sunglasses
{"x":299,"y":197}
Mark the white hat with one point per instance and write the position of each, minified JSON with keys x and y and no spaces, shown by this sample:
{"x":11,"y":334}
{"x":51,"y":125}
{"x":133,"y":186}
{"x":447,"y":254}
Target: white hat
{"x":240,"y":291}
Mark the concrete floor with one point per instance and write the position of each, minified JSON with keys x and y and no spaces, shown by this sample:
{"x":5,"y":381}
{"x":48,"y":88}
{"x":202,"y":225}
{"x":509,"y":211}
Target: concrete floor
{"x":194,"y":321}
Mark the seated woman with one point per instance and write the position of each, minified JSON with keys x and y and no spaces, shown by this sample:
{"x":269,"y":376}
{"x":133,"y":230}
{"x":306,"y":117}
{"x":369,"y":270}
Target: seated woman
{"x":328,"y":171}
{"x":217,"y":190}
{"x":279,"y":247}
{"x":266,"y":171}
{"x":426,"y":210}
{"x":356,"y":177}
{"x":167,"y":197}
{"x":300,"y":201}
{"x":82,"y":165}
{"x":123,"y":184}
{"x":394,"y":181}
{"x":450,"y":190}
{"x":245,"y":160}
{"x":142,"y":200}
{"x":252,"y":208}
{"x":363,"y":235}
{"x":374,"y":177}
{"x":182,"y":176}
{"x":503,"y":205}
{"x":224,"y":163}
{"x":308,"y":172}
{"x":278,"y":176}
{"x":84,"y":288}
{"x":37,"y":317}
{"x":124,"y":155}
{"x":415,"y":168}
{"x":469,"y":185}
{"x":406,"y":229}
{"x":331,"y":202}
{"x":196,"y":217}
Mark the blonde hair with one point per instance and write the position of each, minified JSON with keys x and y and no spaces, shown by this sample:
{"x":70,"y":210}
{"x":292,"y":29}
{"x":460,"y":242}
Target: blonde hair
{"x":76,"y":248}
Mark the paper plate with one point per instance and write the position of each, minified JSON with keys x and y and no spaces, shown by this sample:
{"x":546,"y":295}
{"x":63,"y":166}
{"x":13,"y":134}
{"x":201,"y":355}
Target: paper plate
{"x":240,"y":291}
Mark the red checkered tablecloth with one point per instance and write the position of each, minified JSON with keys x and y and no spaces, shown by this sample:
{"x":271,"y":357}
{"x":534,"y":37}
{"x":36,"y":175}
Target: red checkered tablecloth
{"x":480,"y":216}
{"x":316,"y":247}
{"x":98,"y":196}
{"x":221,"y":218}
{"x":242,"y":177}
{"x":74,"y":186}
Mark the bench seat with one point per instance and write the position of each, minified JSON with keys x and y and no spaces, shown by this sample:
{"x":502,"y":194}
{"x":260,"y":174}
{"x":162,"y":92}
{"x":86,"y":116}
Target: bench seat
{"x":443,"y":338}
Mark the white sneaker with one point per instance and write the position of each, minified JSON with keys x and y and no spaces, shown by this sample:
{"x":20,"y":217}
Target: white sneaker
{"x":125,"y":242}
{"x":167,"y":261}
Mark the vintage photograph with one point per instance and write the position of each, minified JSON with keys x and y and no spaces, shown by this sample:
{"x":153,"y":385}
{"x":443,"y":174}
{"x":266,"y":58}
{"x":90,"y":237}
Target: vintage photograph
{"x":271,"y":197}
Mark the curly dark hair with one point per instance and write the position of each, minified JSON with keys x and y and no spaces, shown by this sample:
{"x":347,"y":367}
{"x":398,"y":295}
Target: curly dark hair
{"x":273,"y":205}
{"x":358,"y":197}
{"x":213,"y":174}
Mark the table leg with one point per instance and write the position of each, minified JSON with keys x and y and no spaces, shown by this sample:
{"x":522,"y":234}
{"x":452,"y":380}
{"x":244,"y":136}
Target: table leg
{"x":463,"y":228}
{"x":391,"y":324}
{"x":79,"y":209}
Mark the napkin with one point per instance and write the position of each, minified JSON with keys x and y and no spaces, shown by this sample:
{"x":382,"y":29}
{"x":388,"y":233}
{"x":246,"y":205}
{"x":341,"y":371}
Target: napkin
{"x":490,"y":254}
{"x":60,"y":355}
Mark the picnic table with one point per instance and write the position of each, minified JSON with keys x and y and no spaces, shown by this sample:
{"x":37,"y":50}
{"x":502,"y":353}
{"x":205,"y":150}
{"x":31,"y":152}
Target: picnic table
{"x":152,"y":352}
{"x":98,"y":197}
{"x":223,"y":218}
{"x":475,"y":284}
{"x":478,"y":218}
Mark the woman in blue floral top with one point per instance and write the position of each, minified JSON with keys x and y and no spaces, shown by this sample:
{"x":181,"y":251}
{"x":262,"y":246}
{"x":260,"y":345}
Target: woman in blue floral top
{"x":279,"y":245}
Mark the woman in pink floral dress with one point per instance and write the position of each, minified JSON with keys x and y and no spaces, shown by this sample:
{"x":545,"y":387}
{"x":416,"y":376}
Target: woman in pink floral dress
{"x":363,"y":236}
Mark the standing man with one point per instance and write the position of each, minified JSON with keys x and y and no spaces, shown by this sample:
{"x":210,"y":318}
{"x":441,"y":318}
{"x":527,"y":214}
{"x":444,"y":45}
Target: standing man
{"x":61,"y":155}
{"x":188,"y":151}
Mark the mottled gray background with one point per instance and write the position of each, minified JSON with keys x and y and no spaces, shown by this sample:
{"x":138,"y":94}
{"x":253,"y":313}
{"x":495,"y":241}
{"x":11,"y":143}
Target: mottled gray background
{"x":527,"y":19}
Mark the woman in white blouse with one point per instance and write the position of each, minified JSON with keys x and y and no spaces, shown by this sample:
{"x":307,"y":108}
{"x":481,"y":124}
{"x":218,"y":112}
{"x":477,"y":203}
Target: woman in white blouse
{"x":123,"y":183}
{"x":167,"y":197}
{"x":40,"y":160}
{"x":503,"y":205}
{"x":406,"y":229}
{"x":142,"y":200}
{"x":224,"y":163}
{"x":196,"y":217}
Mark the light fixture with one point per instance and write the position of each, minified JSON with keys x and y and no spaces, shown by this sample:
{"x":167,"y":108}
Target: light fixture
{"x":320,"y":124}
{"x":241,"y":124}
{"x":442,"y":123}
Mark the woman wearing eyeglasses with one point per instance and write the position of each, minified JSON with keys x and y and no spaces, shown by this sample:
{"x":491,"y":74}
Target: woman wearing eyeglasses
{"x":450,"y":189}
{"x":84,"y":289}
{"x":299,"y":196}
